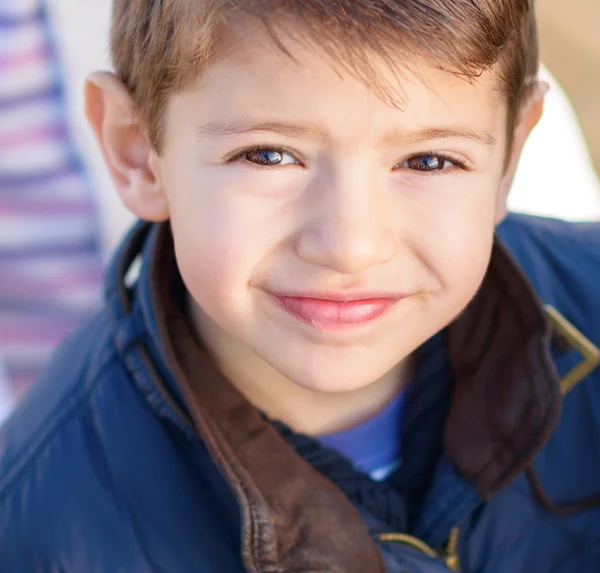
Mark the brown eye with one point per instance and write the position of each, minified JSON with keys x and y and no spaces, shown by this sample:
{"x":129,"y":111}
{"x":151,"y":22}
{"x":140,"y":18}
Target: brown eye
{"x":269,"y":157}
{"x":428,"y":163}
{"x":265,"y":157}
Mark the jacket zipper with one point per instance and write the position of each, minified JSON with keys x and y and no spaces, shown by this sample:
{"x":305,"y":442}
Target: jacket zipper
{"x":449,"y":556}
{"x":452,"y":559}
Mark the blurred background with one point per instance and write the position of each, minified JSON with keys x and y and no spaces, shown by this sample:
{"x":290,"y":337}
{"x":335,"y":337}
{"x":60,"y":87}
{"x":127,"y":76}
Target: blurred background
{"x":570,"y":38}
{"x":60,"y":217}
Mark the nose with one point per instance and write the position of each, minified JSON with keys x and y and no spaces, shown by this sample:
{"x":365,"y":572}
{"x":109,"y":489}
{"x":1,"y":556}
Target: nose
{"x":349,"y":228}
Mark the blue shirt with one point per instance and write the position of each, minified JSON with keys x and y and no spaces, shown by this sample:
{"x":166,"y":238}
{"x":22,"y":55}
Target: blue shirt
{"x":374,"y":445}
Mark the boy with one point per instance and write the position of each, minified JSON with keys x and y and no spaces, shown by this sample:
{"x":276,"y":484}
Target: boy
{"x":329,"y":361}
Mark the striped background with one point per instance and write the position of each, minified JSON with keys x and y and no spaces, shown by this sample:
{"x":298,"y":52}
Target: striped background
{"x":50,"y":266}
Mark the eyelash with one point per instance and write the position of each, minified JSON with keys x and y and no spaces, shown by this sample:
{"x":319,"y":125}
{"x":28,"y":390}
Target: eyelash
{"x":239,"y":155}
{"x":460,"y":164}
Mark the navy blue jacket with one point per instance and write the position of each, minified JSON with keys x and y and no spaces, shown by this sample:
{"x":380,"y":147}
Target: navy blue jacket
{"x":102,"y":471}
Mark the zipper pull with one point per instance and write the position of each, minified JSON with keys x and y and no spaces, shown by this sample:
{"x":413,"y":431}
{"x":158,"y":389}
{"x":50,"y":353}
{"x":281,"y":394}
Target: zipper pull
{"x":452,"y":560}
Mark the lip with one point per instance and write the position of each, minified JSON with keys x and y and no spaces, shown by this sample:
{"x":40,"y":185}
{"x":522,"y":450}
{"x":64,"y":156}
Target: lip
{"x":337,"y":311}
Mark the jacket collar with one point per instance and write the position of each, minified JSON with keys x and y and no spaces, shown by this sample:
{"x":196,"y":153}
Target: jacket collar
{"x":507,"y":396}
{"x":505,"y":405}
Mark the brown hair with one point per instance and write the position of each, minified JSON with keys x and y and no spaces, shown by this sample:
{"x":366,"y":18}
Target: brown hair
{"x":160,"y":46}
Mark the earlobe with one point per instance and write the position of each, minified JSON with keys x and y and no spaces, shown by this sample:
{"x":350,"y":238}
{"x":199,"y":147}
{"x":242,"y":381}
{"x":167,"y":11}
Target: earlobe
{"x":125,"y":146}
{"x":528,"y":119}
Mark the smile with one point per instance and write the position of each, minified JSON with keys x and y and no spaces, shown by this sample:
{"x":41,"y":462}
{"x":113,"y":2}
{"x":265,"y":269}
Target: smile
{"x":331,"y":315}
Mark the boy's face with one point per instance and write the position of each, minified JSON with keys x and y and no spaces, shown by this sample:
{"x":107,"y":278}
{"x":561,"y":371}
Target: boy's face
{"x":292,"y":187}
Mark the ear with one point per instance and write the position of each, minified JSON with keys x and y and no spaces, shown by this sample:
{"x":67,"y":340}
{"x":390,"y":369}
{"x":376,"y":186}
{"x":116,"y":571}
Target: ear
{"x":127,"y":152}
{"x":528,"y":118}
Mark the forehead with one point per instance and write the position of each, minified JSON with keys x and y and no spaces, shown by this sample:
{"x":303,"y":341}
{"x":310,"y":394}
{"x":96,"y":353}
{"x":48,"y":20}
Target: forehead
{"x":251,"y":76}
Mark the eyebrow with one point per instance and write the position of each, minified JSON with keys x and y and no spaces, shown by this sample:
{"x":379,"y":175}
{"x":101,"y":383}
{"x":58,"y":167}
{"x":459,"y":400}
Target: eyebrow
{"x":393,"y":137}
{"x":446,"y":132}
{"x":249,"y":126}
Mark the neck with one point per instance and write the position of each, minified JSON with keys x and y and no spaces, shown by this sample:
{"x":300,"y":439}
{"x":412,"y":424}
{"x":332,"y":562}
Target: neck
{"x":304,"y":410}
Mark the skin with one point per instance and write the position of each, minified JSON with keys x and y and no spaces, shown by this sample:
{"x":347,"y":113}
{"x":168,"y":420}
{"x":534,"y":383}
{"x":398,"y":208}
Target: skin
{"x":343,"y":208}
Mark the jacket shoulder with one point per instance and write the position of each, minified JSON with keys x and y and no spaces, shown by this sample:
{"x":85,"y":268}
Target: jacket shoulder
{"x":44,"y":445}
{"x":562,"y":261}
{"x":61,"y":392}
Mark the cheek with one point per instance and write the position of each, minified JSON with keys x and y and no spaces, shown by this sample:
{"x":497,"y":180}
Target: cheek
{"x":212,"y":255}
{"x":459,"y":237}
{"x":465,"y":260}
{"x":220,"y":241}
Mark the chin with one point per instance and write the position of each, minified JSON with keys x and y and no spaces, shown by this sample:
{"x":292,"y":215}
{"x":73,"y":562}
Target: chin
{"x":333,"y":380}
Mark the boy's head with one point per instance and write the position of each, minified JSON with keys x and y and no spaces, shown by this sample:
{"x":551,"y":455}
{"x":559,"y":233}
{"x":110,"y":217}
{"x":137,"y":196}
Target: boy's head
{"x":159,"y":48}
{"x":320,"y":149}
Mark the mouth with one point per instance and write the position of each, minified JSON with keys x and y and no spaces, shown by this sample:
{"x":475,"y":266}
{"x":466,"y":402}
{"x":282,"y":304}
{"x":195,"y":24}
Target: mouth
{"x":337,"y":312}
